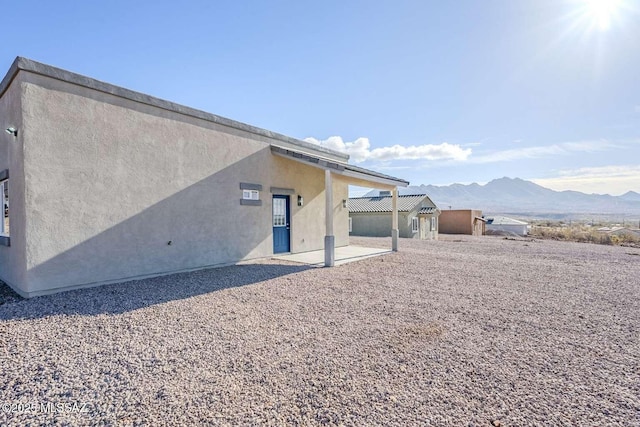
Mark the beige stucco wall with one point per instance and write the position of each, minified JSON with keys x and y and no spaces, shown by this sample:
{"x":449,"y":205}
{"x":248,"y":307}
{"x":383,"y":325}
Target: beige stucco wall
{"x":110,"y":181}
{"x":377,"y":224}
{"x":426,"y":232}
{"x":13,"y":258}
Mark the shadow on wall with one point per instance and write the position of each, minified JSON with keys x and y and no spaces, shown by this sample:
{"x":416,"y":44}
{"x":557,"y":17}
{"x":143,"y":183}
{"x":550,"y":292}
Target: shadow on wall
{"x":204,"y":223}
{"x":121,"y":298}
{"x":140,"y":210}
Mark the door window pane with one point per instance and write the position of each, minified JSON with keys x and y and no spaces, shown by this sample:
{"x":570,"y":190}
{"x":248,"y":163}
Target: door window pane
{"x":279,"y":212}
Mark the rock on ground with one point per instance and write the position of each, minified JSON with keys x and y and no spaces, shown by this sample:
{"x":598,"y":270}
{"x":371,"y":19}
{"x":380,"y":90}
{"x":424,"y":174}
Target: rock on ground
{"x":461,"y":331}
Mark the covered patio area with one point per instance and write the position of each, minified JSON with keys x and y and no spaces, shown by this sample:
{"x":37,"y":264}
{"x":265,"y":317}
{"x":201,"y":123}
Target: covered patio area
{"x":352,"y":175}
{"x":343,"y":255}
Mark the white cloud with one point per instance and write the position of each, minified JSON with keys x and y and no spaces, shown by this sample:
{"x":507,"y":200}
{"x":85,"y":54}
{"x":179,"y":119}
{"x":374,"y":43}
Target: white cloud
{"x":360,"y":150}
{"x":427,"y":151}
{"x":613,"y":180}
{"x":544,"y":151}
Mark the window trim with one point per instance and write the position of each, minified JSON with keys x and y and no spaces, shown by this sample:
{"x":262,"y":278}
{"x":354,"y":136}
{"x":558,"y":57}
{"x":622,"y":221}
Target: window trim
{"x":4,"y":234}
{"x":415,"y":224}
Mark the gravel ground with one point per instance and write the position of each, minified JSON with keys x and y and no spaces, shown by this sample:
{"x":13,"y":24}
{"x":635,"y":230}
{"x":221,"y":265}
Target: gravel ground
{"x":462,"y":331}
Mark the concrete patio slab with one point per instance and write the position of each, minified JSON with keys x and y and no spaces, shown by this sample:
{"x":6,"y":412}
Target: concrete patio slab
{"x":343,"y":255}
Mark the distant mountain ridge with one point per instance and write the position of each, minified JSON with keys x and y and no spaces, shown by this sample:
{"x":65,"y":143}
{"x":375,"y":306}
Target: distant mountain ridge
{"x":631,"y":196}
{"x":518,"y":196}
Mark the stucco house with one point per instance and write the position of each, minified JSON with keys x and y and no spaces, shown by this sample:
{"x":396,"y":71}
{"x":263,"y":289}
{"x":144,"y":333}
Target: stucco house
{"x":371,"y":216}
{"x":506,"y":225}
{"x":462,"y":221}
{"x":103,"y":184}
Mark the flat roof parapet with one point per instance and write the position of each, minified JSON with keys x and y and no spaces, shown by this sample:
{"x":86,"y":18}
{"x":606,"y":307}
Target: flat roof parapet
{"x":25,"y":64}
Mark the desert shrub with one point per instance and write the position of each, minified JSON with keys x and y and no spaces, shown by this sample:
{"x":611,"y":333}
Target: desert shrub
{"x":583,"y":234}
{"x":606,"y":239}
{"x":627,"y":239}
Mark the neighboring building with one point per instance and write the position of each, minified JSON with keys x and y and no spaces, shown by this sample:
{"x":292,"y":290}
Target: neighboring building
{"x":628,"y":231}
{"x":371,"y":216}
{"x":109,"y":185}
{"x":620,"y":231}
{"x":462,"y":221}
{"x":504,"y":225}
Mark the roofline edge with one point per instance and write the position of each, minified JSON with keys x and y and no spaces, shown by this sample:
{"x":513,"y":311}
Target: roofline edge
{"x":25,"y":64}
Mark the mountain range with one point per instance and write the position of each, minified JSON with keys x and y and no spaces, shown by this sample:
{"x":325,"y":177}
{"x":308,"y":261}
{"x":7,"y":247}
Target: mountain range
{"x":526,"y":199}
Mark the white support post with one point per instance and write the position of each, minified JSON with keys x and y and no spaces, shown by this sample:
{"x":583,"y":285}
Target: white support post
{"x":329,"y":238}
{"x":394,"y":220}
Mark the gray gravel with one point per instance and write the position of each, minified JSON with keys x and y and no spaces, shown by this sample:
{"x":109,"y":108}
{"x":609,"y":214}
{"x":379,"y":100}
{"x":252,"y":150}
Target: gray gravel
{"x":462,"y":331}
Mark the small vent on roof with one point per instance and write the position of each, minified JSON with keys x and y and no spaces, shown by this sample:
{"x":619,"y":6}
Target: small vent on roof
{"x":385,"y":193}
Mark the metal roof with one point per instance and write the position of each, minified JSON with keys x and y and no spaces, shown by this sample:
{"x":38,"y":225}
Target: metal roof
{"x":383,"y":204}
{"x":427,"y":210}
{"x":503,"y":220}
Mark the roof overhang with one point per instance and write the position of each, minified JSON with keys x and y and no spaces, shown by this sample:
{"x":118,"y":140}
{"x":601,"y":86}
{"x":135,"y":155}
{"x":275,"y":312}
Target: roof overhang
{"x":37,"y":68}
{"x":344,"y":169}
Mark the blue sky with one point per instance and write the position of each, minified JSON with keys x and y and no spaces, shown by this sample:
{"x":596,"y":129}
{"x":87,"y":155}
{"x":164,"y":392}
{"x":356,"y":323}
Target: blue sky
{"x":434,"y":92}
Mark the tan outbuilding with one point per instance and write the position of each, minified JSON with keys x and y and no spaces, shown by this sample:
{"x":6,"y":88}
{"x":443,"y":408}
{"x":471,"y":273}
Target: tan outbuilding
{"x":462,"y":221}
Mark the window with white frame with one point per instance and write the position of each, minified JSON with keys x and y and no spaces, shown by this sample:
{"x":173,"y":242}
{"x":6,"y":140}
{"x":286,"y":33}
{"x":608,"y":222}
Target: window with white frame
{"x":4,"y":194}
{"x":250,"y":194}
{"x":350,"y":225}
{"x":415,"y":224}
{"x":434,"y":223}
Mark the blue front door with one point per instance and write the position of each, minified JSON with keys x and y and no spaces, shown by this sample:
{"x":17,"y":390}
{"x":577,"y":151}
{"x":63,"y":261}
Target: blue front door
{"x":281,"y":224}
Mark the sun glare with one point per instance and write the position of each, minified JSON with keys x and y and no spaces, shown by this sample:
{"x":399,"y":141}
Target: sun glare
{"x":601,"y":12}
